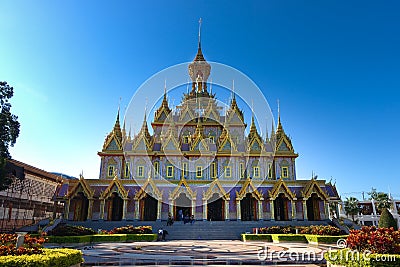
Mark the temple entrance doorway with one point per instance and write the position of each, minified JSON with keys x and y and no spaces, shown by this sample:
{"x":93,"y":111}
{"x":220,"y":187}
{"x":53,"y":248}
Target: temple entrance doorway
{"x":281,"y":206}
{"x":148,"y":208}
{"x":248,"y":208}
{"x":183,"y":207}
{"x":215,"y":208}
{"x":313,"y":212}
{"x":81,"y":207}
{"x":115,"y":207}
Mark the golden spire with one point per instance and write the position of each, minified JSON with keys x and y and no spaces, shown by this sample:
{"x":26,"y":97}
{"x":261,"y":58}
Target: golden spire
{"x":199,"y":56}
{"x":117,"y":128}
{"x":279,"y":128}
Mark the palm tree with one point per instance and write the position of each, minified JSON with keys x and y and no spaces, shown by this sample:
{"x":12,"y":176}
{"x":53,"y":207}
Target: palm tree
{"x":351,"y":207}
{"x":381,"y":199}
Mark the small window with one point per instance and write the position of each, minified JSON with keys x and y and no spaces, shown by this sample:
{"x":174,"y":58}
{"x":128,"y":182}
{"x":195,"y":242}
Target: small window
{"x":199,"y":171}
{"x":156,"y":168}
{"x":110,"y":171}
{"x":241,"y":170}
{"x":212,"y":139}
{"x":256,"y":172}
{"x":269,"y":170}
{"x":184,"y":169}
{"x":170,"y":171}
{"x":140,"y":171}
{"x":186,"y":139}
{"x":285,"y":172}
{"x":228,"y":172}
{"x":126,"y":169}
{"x":213,"y":170}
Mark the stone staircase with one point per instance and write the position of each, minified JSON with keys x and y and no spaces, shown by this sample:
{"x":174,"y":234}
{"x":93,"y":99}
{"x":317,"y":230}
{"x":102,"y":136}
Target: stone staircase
{"x":200,"y":230}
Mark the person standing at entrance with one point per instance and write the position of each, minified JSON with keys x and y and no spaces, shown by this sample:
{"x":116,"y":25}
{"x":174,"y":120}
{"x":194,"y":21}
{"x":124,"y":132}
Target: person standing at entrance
{"x":180,"y":215}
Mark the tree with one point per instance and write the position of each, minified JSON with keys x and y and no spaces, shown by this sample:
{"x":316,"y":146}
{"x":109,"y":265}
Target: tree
{"x":381,"y":199}
{"x":386,"y":220}
{"x":9,"y":131}
{"x":351,"y":207}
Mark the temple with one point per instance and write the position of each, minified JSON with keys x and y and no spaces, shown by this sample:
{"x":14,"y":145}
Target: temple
{"x":197,"y":160}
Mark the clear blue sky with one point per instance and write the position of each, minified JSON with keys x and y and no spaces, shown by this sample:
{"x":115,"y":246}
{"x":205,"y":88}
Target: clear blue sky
{"x":334,"y":65}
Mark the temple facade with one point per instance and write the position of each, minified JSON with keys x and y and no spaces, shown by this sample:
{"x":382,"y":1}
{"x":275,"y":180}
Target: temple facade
{"x":197,"y":160}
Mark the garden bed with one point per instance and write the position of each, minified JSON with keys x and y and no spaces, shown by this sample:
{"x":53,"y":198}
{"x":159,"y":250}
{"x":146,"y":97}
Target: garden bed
{"x":49,"y":258}
{"x":279,"y":238}
{"x":101,"y":238}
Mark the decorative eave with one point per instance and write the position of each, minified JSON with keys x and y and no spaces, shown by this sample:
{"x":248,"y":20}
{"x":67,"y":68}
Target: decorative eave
{"x":121,"y":189}
{"x":154,"y":192}
{"x":226,"y":138}
{"x":88,"y":191}
{"x":215,"y":187}
{"x":313,"y":187}
{"x":281,"y":187}
{"x":248,"y":187}
{"x":182,"y":187}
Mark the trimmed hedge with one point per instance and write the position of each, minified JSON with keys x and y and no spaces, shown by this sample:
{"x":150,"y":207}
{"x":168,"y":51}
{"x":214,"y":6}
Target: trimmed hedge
{"x":51,"y":257}
{"x":324,"y":238}
{"x":141,"y":237}
{"x":345,"y":257}
{"x":101,"y":238}
{"x":292,"y":238}
{"x":257,"y":237}
{"x":288,"y":238}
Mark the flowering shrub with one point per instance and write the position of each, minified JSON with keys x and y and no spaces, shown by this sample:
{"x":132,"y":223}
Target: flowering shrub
{"x":319,"y":230}
{"x":129,"y":229}
{"x":313,"y":230}
{"x":32,"y":245}
{"x":375,"y":240}
{"x":277,"y":230}
{"x":71,"y":230}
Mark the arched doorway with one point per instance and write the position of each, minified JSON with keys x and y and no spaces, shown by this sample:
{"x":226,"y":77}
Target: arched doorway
{"x":148,"y":208}
{"x":115,"y":207}
{"x":313,"y":212}
{"x":248,"y":208}
{"x":281,"y":208}
{"x":215,"y":208}
{"x":183,"y":205}
{"x":81,"y":204}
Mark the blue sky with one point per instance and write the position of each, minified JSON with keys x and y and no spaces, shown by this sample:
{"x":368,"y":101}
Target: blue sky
{"x":334,"y":65}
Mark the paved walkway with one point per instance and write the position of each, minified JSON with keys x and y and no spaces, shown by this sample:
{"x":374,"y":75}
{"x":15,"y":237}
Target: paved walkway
{"x":190,"y":253}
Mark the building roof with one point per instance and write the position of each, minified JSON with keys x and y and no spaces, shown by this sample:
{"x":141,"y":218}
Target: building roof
{"x":36,"y":171}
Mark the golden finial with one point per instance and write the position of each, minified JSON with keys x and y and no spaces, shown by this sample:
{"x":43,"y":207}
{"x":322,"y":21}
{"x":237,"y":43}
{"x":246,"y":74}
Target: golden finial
{"x":200,"y":33}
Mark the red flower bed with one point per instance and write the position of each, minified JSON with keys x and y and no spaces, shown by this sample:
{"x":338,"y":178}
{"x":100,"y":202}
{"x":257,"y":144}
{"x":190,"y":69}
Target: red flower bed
{"x":129,"y":229}
{"x":32,"y":245}
{"x":375,"y":240}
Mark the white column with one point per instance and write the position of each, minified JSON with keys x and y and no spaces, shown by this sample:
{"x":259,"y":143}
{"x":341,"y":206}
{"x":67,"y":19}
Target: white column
{"x":272,"y":208}
{"x":260,"y":217}
{"x":194,"y":208}
{"x":305,"y":209}
{"x":238,"y":210}
{"x":102,"y":204}
{"x":124,"y":208}
{"x":329,"y":211}
{"x":171,"y":208}
{"x":66,"y":209}
{"x":90,"y":209}
{"x":294,"y":213}
{"x":227,"y":210}
{"x":136,"y":216}
{"x":204,"y":210}
{"x":159,"y":203}
{"x":326,"y":210}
